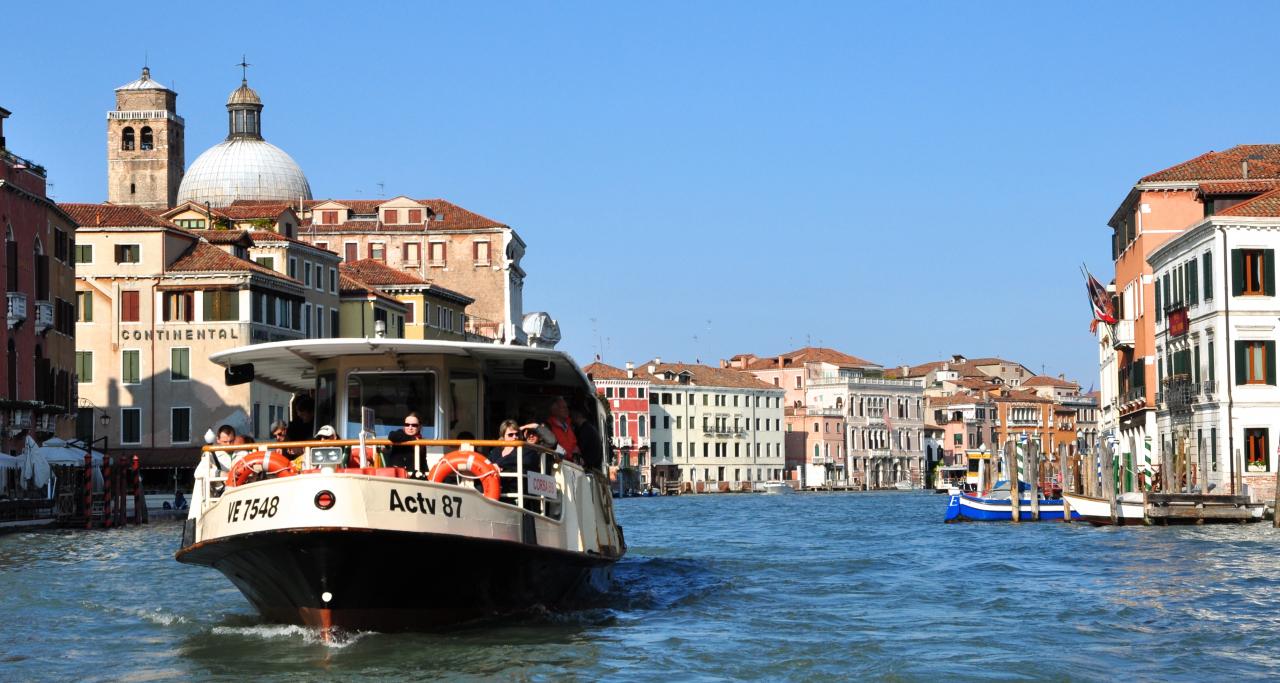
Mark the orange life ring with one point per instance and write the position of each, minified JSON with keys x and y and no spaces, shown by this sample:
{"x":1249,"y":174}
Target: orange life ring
{"x":270,"y":463}
{"x":472,"y":465}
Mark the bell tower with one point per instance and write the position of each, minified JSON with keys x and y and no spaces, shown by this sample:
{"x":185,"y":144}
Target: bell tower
{"x":145,"y":145}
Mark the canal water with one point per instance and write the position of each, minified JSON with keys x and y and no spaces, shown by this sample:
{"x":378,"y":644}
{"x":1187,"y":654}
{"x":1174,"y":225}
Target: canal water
{"x":812,"y":586}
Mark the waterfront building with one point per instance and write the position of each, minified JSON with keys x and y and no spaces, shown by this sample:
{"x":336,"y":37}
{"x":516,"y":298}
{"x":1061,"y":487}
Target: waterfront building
{"x":1158,"y":208}
{"x":438,"y":242}
{"x":968,"y":422}
{"x":719,"y":427}
{"x":884,"y":423}
{"x":817,"y":448}
{"x":1215,"y":311}
{"x":425,"y":310}
{"x":277,"y":217}
{"x":627,"y":394}
{"x":37,"y":390}
{"x":154,"y":301}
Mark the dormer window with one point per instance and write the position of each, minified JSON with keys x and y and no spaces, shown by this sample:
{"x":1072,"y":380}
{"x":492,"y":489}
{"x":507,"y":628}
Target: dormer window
{"x":415,"y":216}
{"x":391,"y":217}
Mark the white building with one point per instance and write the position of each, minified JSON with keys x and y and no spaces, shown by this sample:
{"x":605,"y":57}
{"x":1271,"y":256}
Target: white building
{"x":884,"y":428}
{"x":1216,"y":329}
{"x":715,"y":424}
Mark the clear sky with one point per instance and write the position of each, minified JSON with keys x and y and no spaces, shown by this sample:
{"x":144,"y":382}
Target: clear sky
{"x":900,"y":181}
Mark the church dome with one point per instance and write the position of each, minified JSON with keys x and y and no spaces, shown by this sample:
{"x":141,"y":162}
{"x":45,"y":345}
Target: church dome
{"x":243,"y":168}
{"x":243,"y":95}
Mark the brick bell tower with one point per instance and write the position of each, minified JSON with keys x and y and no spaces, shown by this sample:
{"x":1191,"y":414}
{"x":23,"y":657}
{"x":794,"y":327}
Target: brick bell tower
{"x":146,"y":140}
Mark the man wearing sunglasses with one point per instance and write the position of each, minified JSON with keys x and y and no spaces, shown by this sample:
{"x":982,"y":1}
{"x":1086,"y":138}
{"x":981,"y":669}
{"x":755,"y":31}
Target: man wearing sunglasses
{"x":402,"y":456}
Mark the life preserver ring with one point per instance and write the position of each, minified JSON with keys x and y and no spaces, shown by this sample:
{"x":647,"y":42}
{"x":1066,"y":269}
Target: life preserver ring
{"x":471,"y":465}
{"x":258,"y":463}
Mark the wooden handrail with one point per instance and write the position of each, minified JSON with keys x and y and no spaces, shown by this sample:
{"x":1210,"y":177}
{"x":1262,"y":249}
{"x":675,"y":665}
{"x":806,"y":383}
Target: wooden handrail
{"x":315,"y":443}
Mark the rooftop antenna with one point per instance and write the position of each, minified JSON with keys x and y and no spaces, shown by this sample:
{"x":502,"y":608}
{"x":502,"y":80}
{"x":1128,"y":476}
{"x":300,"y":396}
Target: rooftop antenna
{"x":382,"y":189}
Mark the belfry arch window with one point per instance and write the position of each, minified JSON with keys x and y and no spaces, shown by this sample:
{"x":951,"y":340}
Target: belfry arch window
{"x":146,"y":142}
{"x":126,"y":138}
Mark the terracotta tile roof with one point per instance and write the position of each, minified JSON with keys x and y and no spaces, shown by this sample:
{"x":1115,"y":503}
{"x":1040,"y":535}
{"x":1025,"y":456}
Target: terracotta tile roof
{"x":975,"y":383}
{"x":1022,"y":396}
{"x":350,"y":285}
{"x":114,"y":216}
{"x":1264,"y":162}
{"x":955,"y":399}
{"x":1047,"y":381}
{"x":225,"y":236}
{"x":1238,"y":187}
{"x":706,"y":376}
{"x":598,"y":370}
{"x":809,"y":354}
{"x":452,"y":216}
{"x":377,"y":273}
{"x":1266,"y":205}
{"x":203,"y":257}
{"x":248,"y":212}
{"x":269,"y":236}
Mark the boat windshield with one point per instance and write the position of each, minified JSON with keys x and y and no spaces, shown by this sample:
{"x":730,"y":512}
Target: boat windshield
{"x":391,"y":395}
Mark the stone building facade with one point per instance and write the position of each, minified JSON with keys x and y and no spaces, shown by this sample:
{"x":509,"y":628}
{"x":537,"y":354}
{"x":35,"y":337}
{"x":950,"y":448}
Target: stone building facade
{"x":146,"y":140}
{"x":37,"y":391}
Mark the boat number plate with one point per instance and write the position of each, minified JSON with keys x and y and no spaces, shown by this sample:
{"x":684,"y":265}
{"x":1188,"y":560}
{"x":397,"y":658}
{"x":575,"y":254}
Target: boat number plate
{"x":253,"y":508}
{"x":448,"y":506}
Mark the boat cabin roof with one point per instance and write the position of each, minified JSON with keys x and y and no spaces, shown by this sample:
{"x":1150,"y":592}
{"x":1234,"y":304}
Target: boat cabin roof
{"x":292,"y":364}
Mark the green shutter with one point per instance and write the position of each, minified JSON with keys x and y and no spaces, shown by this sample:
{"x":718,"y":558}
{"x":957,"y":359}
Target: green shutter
{"x":1208,"y":275}
{"x":1242,"y":363}
{"x":1159,"y":297}
{"x":1269,"y":272}
{"x":1168,"y":290}
{"x":1237,"y":272}
{"x":1211,"y":373}
{"x":1193,"y":282}
{"x":1271,"y":362}
{"x":1195,"y":368}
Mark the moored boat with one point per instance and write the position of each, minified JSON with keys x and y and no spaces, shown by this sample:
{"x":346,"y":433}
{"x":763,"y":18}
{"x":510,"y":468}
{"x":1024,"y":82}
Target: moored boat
{"x":1136,"y":507}
{"x":996,"y":506}
{"x":334,"y":540}
{"x":774,"y":488}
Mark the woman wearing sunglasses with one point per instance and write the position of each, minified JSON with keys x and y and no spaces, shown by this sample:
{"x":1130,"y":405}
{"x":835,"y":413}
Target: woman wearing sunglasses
{"x":402,"y":456}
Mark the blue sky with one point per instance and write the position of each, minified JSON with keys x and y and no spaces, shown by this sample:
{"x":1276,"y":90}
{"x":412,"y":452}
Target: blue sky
{"x":900,"y":181}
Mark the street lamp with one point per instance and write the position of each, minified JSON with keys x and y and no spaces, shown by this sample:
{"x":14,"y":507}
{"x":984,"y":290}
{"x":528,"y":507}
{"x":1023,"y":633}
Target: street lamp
{"x":105,"y":421}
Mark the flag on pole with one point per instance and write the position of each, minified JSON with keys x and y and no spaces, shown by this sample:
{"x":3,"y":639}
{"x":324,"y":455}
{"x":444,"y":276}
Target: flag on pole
{"x":1099,"y":301}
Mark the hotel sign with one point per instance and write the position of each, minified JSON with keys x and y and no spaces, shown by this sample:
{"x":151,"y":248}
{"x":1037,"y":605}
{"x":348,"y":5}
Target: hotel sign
{"x":1177,"y":322}
{"x":230,"y":332}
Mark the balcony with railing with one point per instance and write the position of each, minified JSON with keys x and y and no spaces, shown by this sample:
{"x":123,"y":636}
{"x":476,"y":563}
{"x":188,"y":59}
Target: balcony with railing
{"x":1123,"y":334}
{"x":44,"y":316}
{"x":17,"y":308}
{"x":1209,"y":387}
{"x":480,"y":329}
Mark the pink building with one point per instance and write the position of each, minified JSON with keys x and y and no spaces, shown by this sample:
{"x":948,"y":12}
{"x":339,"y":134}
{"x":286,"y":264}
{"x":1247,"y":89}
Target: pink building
{"x":628,"y":397}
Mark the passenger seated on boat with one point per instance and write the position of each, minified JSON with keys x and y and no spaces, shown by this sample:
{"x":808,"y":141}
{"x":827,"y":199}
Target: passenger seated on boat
{"x":508,"y":457}
{"x":402,"y":456}
{"x":226,"y":437}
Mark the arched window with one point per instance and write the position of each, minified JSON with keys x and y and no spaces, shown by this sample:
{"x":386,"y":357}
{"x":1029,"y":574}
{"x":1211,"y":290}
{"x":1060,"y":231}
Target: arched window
{"x":146,"y":142}
{"x":126,"y":138}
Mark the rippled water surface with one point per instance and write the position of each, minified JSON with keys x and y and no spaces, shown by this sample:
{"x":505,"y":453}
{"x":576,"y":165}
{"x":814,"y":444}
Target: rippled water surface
{"x":714,"y":587}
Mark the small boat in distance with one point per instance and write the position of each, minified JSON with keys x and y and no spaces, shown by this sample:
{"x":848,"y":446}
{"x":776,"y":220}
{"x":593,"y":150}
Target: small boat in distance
{"x":332,"y":539}
{"x":774,"y":488}
{"x":904,"y":485}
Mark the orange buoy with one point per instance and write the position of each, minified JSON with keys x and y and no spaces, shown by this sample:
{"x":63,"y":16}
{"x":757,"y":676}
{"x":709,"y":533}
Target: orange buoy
{"x":259,"y":463}
{"x":471,"y":465}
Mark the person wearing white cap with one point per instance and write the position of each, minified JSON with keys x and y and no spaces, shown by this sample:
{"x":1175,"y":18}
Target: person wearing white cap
{"x":326,"y":433}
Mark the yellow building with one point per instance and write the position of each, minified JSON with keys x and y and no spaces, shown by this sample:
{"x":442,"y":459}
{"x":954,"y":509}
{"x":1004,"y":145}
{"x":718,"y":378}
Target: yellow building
{"x":410,"y":307}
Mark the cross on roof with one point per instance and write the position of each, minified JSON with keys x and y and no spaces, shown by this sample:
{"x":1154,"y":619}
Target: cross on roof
{"x":244,"y":68}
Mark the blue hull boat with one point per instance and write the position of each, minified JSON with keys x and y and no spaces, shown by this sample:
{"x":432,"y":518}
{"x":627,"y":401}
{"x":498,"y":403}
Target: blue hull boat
{"x":963,"y":507}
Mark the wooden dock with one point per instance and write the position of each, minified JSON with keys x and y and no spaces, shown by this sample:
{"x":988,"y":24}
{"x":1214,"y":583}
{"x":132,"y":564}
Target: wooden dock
{"x":1195,"y":508}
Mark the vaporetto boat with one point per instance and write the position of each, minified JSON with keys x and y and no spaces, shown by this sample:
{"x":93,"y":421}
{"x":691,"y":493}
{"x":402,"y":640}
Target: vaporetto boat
{"x":331,"y":540}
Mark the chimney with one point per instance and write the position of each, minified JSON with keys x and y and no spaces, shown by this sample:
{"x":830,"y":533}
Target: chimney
{"x":1062,"y":376}
{"x":906,"y":369}
{"x":631,"y":370}
{"x":946,"y":366}
{"x":4,"y":114}
{"x":1244,"y":169}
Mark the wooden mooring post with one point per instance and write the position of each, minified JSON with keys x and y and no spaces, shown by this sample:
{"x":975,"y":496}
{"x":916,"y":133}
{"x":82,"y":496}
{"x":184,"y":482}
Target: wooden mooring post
{"x":1033,"y":469}
{"x":1109,"y":480}
{"x":1068,"y":481}
{"x":1011,"y":473}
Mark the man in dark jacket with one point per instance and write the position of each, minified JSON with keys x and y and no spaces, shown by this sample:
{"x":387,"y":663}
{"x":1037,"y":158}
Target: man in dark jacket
{"x":588,"y":440}
{"x":302,"y":426}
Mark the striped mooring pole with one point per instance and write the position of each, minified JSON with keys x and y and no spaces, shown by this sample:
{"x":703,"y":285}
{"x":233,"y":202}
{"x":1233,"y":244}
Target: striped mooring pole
{"x":107,"y":493}
{"x":88,"y":491}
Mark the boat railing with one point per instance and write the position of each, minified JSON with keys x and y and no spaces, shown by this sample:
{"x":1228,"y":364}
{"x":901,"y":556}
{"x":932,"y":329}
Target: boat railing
{"x":542,"y":498}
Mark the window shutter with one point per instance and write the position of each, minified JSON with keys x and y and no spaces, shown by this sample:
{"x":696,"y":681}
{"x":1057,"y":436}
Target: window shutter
{"x":1269,"y":272}
{"x":1237,"y":272}
{"x":1208,"y":276}
{"x":1159,"y":297}
{"x":1271,"y":362}
{"x":1193,"y":282}
{"x":1195,"y":368}
{"x":1242,"y":363}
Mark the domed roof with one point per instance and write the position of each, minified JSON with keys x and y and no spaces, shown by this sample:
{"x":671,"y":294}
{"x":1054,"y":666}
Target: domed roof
{"x":243,"y":168}
{"x":244,"y":95}
{"x":143,"y":83}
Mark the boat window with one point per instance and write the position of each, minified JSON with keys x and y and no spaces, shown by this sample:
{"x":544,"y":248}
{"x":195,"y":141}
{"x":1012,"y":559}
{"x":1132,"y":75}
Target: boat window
{"x":391,"y":396}
{"x":327,"y":399}
{"x":464,"y":405}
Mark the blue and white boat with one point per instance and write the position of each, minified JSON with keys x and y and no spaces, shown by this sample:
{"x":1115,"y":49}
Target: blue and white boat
{"x":995,"y":505}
